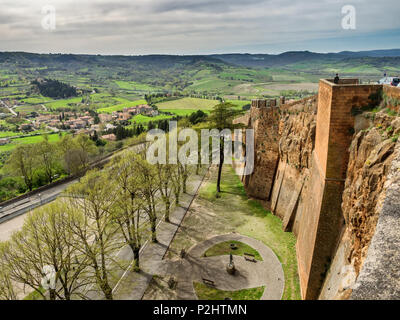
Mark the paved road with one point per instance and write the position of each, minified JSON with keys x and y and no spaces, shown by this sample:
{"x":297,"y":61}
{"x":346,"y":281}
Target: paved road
{"x":15,"y":209}
{"x":9,"y":108}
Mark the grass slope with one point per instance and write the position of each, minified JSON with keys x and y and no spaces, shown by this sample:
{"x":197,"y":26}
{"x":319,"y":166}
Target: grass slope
{"x":224,"y":248}
{"x":233,"y":211}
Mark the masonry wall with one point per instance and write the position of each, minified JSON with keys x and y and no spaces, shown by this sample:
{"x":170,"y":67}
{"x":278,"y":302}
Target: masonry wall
{"x":322,"y":221}
{"x":264,"y":119}
{"x":297,"y":131}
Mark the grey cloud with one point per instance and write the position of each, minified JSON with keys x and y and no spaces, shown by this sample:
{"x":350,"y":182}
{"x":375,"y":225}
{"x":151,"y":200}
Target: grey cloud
{"x":184,"y":26}
{"x":203,"y":5}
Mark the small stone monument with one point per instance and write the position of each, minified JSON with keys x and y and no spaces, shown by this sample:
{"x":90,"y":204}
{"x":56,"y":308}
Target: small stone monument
{"x":230,"y":268}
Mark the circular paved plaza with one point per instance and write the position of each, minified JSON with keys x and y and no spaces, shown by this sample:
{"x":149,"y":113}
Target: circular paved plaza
{"x":195,"y":267}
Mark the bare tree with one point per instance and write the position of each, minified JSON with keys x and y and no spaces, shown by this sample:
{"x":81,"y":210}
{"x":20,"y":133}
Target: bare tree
{"x":45,"y":242}
{"x":149,"y":186}
{"x":129,"y":203}
{"x":221,"y":118}
{"x":85,"y":148}
{"x":95,"y":230}
{"x":7,"y":290}
{"x":185,"y":173}
{"x":176,"y":178}
{"x":166,"y":186}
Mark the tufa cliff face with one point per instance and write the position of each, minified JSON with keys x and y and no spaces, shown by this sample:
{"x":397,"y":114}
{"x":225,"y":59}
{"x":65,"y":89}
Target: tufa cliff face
{"x":372,"y":154}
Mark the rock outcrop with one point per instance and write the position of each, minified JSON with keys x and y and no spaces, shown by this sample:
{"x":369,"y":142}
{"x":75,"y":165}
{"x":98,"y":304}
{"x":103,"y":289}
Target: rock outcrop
{"x":372,"y":154}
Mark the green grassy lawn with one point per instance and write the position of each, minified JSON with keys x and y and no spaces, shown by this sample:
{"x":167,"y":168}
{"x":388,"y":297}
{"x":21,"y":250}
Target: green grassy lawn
{"x":28,"y":140}
{"x":233,"y":211}
{"x":224,"y":248}
{"x":5,"y":134}
{"x":205,"y":292}
{"x":121,"y":106}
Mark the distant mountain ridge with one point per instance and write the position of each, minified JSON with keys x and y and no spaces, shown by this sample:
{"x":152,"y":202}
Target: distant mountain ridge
{"x":204,"y":71}
{"x":373,"y":53}
{"x":239,"y":59}
{"x":292,"y":57}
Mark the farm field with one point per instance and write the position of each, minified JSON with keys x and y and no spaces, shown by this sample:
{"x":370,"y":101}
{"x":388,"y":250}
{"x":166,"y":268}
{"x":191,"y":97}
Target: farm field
{"x":188,"y":103}
{"x":63,"y":103}
{"x":142,"y":119}
{"x":135,"y":86}
{"x":36,"y":100}
{"x":186,"y":106}
{"x":121,"y":106}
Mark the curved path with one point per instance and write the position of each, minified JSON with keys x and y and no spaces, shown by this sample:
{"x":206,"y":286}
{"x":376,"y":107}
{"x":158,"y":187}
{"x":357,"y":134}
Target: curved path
{"x":195,"y":266}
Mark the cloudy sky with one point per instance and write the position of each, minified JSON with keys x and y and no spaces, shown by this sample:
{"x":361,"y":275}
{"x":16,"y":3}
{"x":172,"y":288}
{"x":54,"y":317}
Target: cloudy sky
{"x":196,"y":26}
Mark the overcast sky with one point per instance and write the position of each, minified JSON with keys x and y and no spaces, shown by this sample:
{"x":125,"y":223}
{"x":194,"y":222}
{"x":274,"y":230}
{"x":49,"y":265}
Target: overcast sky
{"x":197,"y":26}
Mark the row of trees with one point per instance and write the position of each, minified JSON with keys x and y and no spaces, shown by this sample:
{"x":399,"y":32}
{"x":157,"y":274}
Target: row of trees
{"x":77,"y":236}
{"x":44,"y":160}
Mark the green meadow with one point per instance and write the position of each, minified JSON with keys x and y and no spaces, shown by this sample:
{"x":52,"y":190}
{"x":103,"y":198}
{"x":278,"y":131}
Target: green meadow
{"x":28,"y":140}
